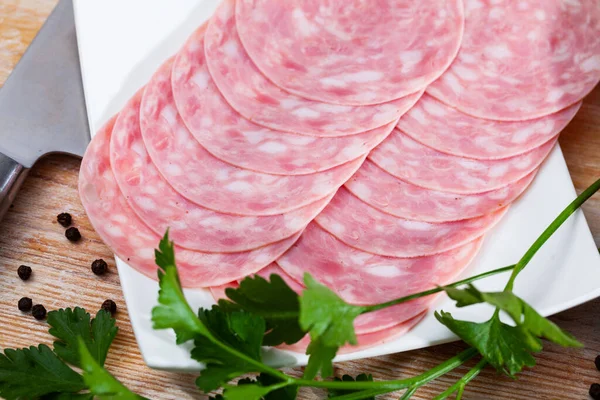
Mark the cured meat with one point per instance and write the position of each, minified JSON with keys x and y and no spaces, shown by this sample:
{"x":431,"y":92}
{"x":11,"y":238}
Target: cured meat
{"x":351,"y":52}
{"x":191,"y":226}
{"x":364,"y":324}
{"x":394,"y":196}
{"x":420,"y":165}
{"x":523,"y":59}
{"x":251,"y":94}
{"x":210,"y":182}
{"x":365,"y":341}
{"x":365,"y":279}
{"x":448,"y":130}
{"x":132,"y":241}
{"x":359,"y":225}
{"x":236,"y":140}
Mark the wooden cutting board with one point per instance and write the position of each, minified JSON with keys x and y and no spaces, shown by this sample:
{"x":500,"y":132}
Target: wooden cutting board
{"x":62,"y":277}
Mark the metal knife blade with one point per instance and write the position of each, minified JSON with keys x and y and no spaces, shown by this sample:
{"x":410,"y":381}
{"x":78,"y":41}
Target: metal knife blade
{"x":42,"y":104}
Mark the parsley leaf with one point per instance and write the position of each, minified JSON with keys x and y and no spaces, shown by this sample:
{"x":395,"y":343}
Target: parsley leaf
{"x":273,"y":300}
{"x":505,"y":347}
{"x":348,"y":378}
{"x":330,"y":322}
{"x":102,"y":384}
{"x":34,"y":372}
{"x":521,"y":313}
{"x":320,"y":359}
{"x":246,"y":392}
{"x":326,"y":316}
{"x":174,"y":312}
{"x":239,"y":330}
{"x":68,"y":325}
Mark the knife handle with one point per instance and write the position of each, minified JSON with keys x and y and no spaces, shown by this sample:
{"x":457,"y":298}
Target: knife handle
{"x":12,"y":175}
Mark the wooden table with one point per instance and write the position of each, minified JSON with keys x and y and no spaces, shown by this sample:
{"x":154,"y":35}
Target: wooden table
{"x":62,"y":277}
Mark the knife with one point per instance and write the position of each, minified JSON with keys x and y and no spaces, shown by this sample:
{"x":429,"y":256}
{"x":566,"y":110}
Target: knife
{"x":42,"y":104}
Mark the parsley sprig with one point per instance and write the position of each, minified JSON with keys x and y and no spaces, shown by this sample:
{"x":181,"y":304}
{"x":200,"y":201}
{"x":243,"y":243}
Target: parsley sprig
{"x":41,"y":372}
{"x":228,"y":338}
{"x":260,"y":312}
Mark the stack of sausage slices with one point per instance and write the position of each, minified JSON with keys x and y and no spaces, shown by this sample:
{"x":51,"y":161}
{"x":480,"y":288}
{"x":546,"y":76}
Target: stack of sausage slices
{"x":371,"y":145}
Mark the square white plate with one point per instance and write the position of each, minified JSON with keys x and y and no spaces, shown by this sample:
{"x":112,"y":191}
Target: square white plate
{"x":122,"y":43}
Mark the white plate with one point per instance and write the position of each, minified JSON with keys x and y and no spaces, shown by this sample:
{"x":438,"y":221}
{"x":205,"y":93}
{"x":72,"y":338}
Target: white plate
{"x":123,"y":42}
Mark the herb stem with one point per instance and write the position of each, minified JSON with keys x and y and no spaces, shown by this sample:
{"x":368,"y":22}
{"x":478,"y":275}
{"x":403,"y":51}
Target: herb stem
{"x":438,"y":289}
{"x":390,"y":386}
{"x":409,"y":393}
{"x":553,"y":227}
{"x":460,"y":385}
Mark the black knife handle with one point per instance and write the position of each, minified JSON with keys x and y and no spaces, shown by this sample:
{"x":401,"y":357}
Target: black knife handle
{"x":12,"y":175}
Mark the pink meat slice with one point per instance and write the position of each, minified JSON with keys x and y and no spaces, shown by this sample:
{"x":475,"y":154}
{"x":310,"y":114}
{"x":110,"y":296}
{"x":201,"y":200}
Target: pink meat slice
{"x":364,"y":324}
{"x":191,"y":226}
{"x":402,"y":199}
{"x":361,"y":226}
{"x":523,"y":59}
{"x":409,"y":160}
{"x":238,"y":141}
{"x":448,"y":130}
{"x":365,"y":341}
{"x":353,"y":52}
{"x":212,"y":183}
{"x":365,"y":279}
{"x":251,"y":94}
{"x":132,"y":241}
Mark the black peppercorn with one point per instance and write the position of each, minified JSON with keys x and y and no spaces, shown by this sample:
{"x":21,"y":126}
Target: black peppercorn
{"x":24,"y":272}
{"x":99,"y":267}
{"x":110,"y":306}
{"x":39,"y":312}
{"x":597,"y":362}
{"x":25,"y":304}
{"x":73,"y":234}
{"x":595,"y":391}
{"x":64,"y":219}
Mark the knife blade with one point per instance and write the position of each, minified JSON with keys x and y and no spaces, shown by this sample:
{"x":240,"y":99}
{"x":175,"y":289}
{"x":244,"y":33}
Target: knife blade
{"x":42,"y":103}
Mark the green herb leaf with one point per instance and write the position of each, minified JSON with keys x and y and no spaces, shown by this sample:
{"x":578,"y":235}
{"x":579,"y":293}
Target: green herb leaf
{"x":68,"y":396}
{"x":68,"y":325}
{"x":348,"y":378}
{"x":284,"y":393}
{"x":102,"y":384}
{"x":273,"y":300}
{"x":239,"y":330}
{"x":320,"y":359}
{"x":521,"y":313}
{"x":34,"y":372}
{"x":174,"y":311}
{"x":326,"y":316}
{"x":505,"y":347}
{"x":330,"y":322}
{"x":246,"y":392}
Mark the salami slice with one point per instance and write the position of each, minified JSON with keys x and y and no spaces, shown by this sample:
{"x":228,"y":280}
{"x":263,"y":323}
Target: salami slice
{"x":448,"y":130}
{"x":251,"y":94}
{"x":394,"y":196}
{"x":191,"y":226}
{"x":363,"y":278}
{"x":365,"y":341}
{"x":364,"y":324}
{"x":132,"y":241}
{"x":351,"y":52}
{"x":523,"y":59}
{"x":359,"y":225}
{"x":423,"y":166}
{"x":237,"y":141}
{"x":210,"y":182}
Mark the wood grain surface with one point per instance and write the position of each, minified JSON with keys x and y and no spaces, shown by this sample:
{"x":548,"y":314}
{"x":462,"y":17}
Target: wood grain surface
{"x":62,"y":277}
